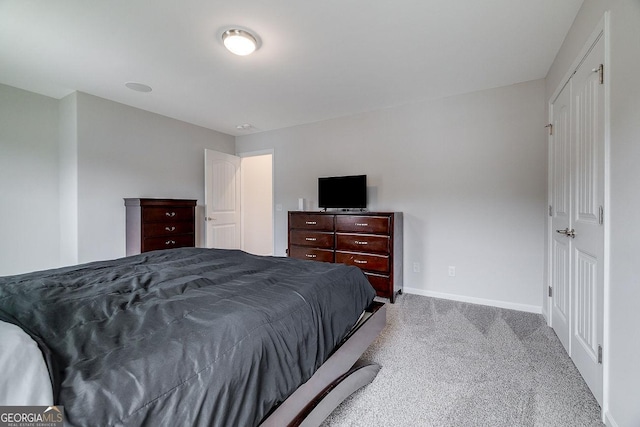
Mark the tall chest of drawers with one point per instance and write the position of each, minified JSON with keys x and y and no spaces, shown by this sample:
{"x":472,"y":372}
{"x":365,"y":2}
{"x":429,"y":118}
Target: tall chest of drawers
{"x":153,"y":224}
{"x":371,"y":241}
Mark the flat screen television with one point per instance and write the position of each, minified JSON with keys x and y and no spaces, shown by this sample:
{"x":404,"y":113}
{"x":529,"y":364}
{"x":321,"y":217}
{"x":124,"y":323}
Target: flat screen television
{"x":343,"y":192}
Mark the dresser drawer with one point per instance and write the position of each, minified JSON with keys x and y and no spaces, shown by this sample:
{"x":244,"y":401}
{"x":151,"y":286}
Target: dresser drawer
{"x":362,"y":243}
{"x":311,"y":222}
{"x":166,"y":214}
{"x":168,"y":242}
{"x":363,"y":224}
{"x":316,"y":239}
{"x":169,"y":228}
{"x":369,"y":262}
{"x":381,"y":283}
{"x":313,"y":254}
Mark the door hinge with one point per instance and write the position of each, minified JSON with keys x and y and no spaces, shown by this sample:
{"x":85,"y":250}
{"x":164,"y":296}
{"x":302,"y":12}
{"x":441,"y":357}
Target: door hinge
{"x":600,"y":354}
{"x":550,"y":210}
{"x":550,"y":126}
{"x":550,"y":291}
{"x":600,"y":215}
{"x":601,"y":73}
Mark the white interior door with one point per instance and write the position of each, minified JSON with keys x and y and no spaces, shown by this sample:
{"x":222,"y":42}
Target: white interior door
{"x":588,"y":245}
{"x":561,"y":216}
{"x":577,"y":236}
{"x":222,"y":200}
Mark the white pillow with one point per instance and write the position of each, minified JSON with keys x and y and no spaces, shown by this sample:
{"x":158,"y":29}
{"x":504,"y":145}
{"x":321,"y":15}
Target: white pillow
{"x":25,"y":378}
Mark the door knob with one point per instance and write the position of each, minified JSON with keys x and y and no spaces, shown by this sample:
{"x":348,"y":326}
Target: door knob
{"x":210,"y":219}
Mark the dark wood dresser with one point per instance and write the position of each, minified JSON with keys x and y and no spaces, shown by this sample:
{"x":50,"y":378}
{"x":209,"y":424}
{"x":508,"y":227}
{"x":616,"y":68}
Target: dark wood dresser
{"x":371,"y":241}
{"x":159,"y":224}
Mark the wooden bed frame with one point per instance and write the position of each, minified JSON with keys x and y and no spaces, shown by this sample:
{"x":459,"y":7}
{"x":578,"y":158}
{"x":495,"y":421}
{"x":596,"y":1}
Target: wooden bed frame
{"x":336,"y":379}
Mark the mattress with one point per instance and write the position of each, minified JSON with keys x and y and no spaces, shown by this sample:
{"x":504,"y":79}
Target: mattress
{"x":186,"y":336}
{"x":24,"y":378}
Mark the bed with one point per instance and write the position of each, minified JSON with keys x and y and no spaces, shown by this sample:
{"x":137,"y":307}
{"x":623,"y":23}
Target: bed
{"x":197,"y":336}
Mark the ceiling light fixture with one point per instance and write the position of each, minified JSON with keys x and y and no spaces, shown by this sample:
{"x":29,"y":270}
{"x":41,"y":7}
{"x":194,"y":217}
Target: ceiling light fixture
{"x":240,"y":42}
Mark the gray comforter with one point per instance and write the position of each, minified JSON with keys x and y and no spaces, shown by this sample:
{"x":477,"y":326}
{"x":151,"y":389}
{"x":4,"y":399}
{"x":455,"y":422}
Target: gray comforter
{"x":185,"y":336}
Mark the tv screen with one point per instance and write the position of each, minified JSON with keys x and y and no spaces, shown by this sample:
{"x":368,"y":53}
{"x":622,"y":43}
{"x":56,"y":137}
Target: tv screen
{"x":346,"y":192}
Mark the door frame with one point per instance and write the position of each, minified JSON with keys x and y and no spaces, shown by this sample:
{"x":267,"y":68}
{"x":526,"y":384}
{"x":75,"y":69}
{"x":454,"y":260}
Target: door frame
{"x":269,"y":151}
{"x":602,"y":29}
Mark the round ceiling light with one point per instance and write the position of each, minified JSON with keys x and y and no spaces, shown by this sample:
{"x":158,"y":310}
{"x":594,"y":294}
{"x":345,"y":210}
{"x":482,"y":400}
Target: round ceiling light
{"x":240,"y":42}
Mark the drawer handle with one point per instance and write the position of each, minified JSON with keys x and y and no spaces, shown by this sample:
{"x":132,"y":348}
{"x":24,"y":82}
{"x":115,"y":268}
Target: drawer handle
{"x":310,"y":222}
{"x":170,"y":228}
{"x":358,"y":242}
{"x":362,"y":224}
{"x":357,"y":261}
{"x":170,"y":242}
{"x":310,"y":255}
{"x":170,"y":214}
{"x":310,"y":239}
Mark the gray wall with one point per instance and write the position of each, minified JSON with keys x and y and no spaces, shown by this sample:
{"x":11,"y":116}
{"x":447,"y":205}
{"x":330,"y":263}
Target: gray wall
{"x":29,"y":217}
{"x":68,"y":179}
{"x":622,"y":315}
{"x":66,"y":165}
{"x":127,"y":152}
{"x":469,"y":173}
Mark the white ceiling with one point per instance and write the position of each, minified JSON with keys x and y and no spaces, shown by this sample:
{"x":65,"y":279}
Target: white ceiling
{"x":317,"y":59}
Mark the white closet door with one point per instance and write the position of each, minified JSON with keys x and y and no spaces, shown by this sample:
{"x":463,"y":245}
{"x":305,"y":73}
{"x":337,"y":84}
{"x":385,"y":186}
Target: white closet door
{"x":577,"y":164}
{"x":560,"y":244}
{"x":587,"y":280}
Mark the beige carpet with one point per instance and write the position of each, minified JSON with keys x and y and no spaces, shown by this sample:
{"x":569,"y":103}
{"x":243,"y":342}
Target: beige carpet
{"x":446,"y":363}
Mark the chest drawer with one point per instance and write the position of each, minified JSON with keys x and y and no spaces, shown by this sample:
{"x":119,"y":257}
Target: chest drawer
{"x":369,"y":262}
{"x":316,"y":239}
{"x":362,"y":243}
{"x":167,"y":214}
{"x":167,"y":228}
{"x":311,"y":222}
{"x":363,"y":224}
{"x":314,"y":254}
{"x":168,"y":242}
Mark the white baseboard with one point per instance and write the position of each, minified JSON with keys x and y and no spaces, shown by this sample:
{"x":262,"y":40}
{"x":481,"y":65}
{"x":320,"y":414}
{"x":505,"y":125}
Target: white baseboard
{"x":608,"y":420}
{"x":473,"y":300}
{"x":545,"y":314}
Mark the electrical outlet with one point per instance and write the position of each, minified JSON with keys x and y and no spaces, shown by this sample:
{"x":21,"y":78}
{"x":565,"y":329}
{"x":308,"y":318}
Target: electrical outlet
{"x":452,"y":271}
{"x":416,"y":267}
